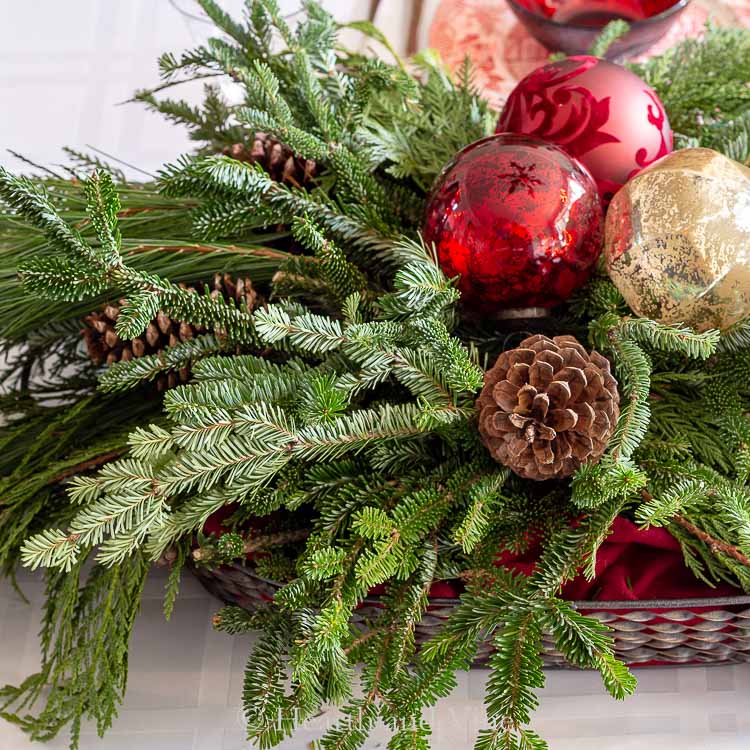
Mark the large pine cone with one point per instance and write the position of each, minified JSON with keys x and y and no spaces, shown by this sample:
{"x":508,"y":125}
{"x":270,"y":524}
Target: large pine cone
{"x":547,"y":407}
{"x":277,"y":159}
{"x":106,"y":347}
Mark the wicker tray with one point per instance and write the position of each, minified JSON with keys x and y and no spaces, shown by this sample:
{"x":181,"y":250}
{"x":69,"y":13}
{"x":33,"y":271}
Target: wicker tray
{"x":669,"y":631}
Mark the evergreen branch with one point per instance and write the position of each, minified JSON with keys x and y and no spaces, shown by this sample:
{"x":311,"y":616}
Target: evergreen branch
{"x":736,"y":338}
{"x":123,"y":375}
{"x":516,"y":671}
{"x":85,"y":635}
{"x":218,"y":175}
{"x":105,"y":263}
{"x":343,"y":277}
{"x":715,"y":545}
{"x":613,"y":31}
{"x":694,"y":90}
{"x":671,"y":338}
{"x":634,"y":367}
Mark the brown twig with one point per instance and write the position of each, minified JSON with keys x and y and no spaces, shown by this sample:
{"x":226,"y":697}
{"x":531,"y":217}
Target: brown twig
{"x":261,"y":252}
{"x":254,"y":544}
{"x":275,"y":540}
{"x":133,"y":211}
{"x":362,"y":639}
{"x":714,"y":544}
{"x":413,"y":38}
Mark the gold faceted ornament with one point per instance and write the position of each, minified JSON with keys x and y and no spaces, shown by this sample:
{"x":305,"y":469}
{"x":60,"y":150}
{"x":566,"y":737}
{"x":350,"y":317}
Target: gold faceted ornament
{"x":677,"y":240}
{"x":547,"y":407}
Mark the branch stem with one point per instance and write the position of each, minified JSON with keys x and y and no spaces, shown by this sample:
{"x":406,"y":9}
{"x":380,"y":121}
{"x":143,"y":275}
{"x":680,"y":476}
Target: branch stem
{"x":715,"y":545}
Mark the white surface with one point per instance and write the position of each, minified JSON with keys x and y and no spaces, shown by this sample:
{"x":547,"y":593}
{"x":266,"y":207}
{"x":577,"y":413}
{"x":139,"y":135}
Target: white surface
{"x":67,"y":66}
{"x":185,"y":687}
{"x":64,"y":66}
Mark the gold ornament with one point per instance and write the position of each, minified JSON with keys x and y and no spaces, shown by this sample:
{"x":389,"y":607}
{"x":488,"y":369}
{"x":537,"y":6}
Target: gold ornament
{"x":677,"y":241}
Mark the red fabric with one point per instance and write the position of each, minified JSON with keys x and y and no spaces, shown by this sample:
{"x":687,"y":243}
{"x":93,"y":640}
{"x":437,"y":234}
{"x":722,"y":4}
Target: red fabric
{"x":632,"y":564}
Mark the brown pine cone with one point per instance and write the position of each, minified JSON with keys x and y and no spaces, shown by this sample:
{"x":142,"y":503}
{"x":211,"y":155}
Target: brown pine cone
{"x":277,"y":159}
{"x":106,"y":347}
{"x":547,"y":407}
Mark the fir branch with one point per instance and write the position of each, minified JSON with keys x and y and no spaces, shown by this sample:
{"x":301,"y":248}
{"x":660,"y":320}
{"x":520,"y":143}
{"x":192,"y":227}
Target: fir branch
{"x":671,"y":338}
{"x":128,"y":374}
{"x":715,"y":545}
{"x":613,"y":31}
{"x":694,"y":90}
{"x":343,"y":277}
{"x":105,"y":264}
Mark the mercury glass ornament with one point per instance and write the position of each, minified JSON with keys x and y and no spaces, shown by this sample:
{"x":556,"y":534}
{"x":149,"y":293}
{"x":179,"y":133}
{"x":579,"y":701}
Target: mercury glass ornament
{"x":677,"y":241}
{"x":518,"y":220}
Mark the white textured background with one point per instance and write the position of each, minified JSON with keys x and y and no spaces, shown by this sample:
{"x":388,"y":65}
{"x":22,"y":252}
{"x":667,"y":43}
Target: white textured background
{"x":64,"y":67}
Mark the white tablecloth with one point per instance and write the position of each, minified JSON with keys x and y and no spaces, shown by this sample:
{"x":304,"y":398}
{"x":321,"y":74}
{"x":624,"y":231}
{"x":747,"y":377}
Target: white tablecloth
{"x":186,"y":682}
{"x":64,"y":66}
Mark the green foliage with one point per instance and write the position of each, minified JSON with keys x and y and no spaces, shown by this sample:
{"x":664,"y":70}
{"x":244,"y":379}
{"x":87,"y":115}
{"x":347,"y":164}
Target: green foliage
{"x":608,"y":36}
{"x":705,"y":102}
{"x":85,"y":634}
{"x":44,"y":445}
{"x":81,"y":270}
{"x":344,"y":410}
{"x":127,"y":374}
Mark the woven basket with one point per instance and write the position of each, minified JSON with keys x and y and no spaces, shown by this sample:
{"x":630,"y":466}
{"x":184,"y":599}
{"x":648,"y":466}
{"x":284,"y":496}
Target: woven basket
{"x":669,"y":631}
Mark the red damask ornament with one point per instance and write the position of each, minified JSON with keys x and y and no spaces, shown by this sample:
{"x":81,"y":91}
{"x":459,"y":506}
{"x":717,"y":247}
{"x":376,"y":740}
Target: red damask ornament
{"x":518,"y":219}
{"x":599,"y":112}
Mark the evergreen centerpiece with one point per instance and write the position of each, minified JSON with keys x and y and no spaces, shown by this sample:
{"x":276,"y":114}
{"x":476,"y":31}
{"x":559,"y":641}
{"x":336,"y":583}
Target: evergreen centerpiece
{"x":334,"y":429}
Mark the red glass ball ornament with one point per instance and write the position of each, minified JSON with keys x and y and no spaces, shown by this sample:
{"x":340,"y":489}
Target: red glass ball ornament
{"x":599,"y":112}
{"x":518,"y":219}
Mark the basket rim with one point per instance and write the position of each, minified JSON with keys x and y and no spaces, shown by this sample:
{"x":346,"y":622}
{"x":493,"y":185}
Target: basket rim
{"x":740,"y":600}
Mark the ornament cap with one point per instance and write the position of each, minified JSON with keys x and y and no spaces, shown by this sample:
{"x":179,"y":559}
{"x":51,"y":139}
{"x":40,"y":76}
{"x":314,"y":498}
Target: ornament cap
{"x":522,"y":313}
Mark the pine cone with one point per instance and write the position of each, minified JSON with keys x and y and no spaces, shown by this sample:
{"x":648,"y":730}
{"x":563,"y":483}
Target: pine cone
{"x":277,"y":159}
{"x":106,"y":347}
{"x":547,"y":407}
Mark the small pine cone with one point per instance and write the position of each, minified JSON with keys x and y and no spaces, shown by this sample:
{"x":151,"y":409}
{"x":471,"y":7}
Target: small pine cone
{"x":277,"y":159}
{"x":548,"y":407}
{"x":106,"y":347}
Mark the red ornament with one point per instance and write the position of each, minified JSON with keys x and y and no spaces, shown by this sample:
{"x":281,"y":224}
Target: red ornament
{"x":518,"y":219}
{"x":598,"y":111}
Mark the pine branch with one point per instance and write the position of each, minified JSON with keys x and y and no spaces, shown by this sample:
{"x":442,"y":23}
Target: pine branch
{"x":717,"y":546}
{"x":123,"y":375}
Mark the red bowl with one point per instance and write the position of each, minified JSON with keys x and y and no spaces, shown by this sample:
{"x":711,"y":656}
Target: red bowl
{"x":571,"y":26}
